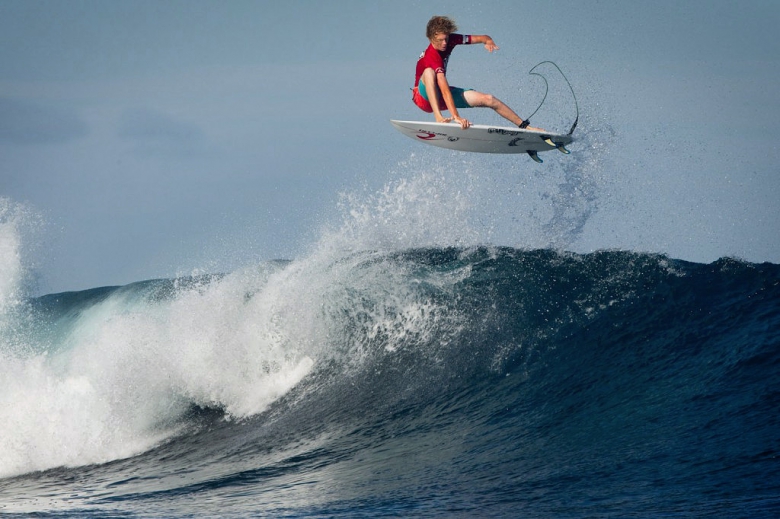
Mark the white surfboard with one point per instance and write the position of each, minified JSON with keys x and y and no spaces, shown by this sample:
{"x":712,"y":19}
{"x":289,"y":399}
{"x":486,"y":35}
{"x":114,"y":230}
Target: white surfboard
{"x":481,"y":138}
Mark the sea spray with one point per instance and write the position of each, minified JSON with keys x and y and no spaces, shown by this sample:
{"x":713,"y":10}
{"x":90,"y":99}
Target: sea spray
{"x":429,"y":208}
{"x":11,"y":271}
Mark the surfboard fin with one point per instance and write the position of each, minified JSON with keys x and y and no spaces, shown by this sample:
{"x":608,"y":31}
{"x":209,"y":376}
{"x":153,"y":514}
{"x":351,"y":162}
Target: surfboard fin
{"x":534,"y":155}
{"x":557,"y":145}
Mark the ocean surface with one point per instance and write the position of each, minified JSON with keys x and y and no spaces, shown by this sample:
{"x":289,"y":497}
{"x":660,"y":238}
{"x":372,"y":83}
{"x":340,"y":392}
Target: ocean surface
{"x":418,"y":382}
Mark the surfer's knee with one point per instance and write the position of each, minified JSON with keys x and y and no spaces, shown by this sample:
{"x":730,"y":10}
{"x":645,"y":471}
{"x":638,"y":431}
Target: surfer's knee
{"x":492,"y":101}
{"x":478,"y":99}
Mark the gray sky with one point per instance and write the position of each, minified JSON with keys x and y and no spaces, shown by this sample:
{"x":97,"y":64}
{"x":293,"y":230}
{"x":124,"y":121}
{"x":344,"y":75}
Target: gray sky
{"x":152,"y":138}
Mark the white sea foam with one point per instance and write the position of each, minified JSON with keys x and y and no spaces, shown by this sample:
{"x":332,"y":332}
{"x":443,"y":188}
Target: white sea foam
{"x":120,"y":376}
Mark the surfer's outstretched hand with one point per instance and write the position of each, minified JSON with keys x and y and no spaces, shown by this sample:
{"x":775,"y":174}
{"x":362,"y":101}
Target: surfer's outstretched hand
{"x":490,"y":45}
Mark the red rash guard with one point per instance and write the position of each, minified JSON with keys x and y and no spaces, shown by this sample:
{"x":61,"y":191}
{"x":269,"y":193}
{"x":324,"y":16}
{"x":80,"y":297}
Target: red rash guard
{"x":436,"y":60}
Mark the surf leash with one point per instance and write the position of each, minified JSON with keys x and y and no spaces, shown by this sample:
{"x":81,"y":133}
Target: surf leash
{"x":526,"y":121}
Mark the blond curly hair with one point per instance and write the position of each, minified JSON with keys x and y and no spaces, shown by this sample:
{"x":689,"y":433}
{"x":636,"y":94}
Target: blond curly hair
{"x":439,"y":24}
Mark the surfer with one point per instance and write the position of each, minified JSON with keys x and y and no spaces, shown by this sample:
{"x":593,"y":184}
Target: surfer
{"x":432,"y":93}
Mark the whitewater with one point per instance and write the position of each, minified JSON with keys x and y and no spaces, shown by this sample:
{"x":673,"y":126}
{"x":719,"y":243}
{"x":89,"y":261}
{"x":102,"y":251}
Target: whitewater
{"x":402,"y":366}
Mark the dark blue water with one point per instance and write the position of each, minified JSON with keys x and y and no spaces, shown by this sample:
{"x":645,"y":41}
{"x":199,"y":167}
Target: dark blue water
{"x":487,"y":382}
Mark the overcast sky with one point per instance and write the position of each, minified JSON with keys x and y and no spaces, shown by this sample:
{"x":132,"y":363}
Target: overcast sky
{"x":151,"y":138}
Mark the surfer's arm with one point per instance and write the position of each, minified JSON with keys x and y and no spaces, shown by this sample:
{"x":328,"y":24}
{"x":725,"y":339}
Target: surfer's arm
{"x":446,"y":94}
{"x":490,"y":45}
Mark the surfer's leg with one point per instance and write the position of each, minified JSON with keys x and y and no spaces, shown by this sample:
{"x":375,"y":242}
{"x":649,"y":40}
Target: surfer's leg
{"x":429,"y":86}
{"x":478,"y":99}
{"x":430,"y":90}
